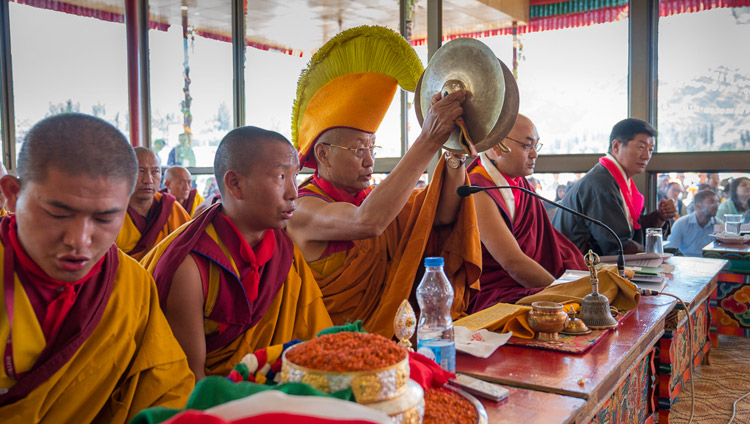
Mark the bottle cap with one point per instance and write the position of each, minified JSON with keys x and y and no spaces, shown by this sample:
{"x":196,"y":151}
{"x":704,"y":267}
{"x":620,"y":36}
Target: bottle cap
{"x":437,"y":261}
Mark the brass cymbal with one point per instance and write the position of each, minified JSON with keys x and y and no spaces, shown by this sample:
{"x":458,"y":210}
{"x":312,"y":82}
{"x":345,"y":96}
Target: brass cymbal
{"x":491,"y":104}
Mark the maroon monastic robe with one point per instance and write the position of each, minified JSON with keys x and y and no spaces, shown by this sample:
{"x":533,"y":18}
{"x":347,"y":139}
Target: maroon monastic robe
{"x":536,"y":237}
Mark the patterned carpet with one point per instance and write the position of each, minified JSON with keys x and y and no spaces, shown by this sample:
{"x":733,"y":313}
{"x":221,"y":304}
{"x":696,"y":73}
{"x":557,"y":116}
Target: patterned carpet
{"x":717,"y":386}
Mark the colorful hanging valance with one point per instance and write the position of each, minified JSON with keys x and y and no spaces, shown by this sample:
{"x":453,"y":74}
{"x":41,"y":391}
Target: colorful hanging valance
{"x":89,"y":12}
{"x":253,"y":44}
{"x":545,"y":15}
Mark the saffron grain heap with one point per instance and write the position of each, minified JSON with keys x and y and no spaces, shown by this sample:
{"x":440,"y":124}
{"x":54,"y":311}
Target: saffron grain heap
{"x":344,"y":352}
{"x":446,"y":406}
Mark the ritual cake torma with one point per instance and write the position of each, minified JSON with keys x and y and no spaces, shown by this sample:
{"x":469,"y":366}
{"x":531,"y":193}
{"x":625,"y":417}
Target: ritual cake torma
{"x":375,"y":368}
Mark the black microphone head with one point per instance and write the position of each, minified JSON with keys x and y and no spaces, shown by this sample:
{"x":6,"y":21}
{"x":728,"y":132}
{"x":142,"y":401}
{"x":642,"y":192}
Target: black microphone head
{"x":466,"y":190}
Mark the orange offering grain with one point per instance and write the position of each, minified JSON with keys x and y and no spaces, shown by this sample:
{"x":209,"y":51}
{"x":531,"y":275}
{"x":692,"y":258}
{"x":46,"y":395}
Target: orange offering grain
{"x":347,"y":351}
{"x":447,"y":406}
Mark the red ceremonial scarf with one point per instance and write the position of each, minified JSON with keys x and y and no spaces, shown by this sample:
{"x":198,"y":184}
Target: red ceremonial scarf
{"x":61,"y":294}
{"x":234,"y":310}
{"x":248,"y":260}
{"x":151,"y":225}
{"x":74,"y":326}
{"x":633,"y":198}
{"x":516,"y":193}
{"x":338,"y":194}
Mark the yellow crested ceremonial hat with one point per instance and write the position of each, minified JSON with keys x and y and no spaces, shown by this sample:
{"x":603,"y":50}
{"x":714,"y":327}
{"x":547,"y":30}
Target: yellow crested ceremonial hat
{"x":350,"y":83}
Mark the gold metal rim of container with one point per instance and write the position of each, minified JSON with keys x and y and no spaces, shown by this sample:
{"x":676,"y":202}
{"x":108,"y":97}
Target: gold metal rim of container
{"x":407,"y":408}
{"x":367,"y":386}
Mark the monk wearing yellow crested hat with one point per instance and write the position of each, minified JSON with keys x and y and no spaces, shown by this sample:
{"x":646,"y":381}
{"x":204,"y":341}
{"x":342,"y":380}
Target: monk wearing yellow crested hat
{"x":365,"y":245}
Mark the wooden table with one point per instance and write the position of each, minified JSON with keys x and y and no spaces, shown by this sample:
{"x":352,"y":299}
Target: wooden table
{"x":614,"y":376}
{"x":730,"y":305}
{"x":592,"y":376}
{"x":530,"y":406}
{"x":694,"y":281}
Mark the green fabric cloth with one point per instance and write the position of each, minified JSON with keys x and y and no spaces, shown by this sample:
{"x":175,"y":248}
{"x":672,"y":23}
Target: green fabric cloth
{"x":214,"y":390}
{"x":354,"y":327}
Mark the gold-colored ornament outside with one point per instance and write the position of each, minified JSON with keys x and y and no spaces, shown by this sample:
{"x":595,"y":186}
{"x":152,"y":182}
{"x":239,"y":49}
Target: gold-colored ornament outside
{"x":404,"y":324}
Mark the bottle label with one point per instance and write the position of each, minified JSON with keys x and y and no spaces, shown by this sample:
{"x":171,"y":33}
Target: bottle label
{"x":443,"y":352}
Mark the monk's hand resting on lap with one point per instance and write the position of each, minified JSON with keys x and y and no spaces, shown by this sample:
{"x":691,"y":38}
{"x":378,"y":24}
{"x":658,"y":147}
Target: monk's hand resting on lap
{"x":441,"y":117}
{"x":666,"y":210}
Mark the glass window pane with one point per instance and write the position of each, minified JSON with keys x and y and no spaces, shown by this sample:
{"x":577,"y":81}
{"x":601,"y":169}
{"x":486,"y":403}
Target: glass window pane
{"x":190,"y":111}
{"x":58,"y":66}
{"x":573,"y":84}
{"x":270,"y":88}
{"x":704,"y":81}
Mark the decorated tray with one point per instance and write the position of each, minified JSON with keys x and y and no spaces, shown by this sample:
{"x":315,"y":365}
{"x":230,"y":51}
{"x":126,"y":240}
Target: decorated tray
{"x":481,"y":412}
{"x":731,"y":238}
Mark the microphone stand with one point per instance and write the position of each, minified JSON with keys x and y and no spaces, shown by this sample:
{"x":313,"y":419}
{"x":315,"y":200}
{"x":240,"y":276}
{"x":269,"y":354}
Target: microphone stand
{"x":467,"y":190}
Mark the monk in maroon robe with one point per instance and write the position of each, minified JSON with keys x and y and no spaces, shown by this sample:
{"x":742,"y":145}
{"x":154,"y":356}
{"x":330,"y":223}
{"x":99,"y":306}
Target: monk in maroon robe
{"x":84,"y":338}
{"x":152,"y":215}
{"x":178,"y":182}
{"x":521,"y":252}
{"x":231,"y":281}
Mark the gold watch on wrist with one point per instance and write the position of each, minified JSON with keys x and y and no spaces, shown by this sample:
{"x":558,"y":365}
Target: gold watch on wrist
{"x":454,"y":161}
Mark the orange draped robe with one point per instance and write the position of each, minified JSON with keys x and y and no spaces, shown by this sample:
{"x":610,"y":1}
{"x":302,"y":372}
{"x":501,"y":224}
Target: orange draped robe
{"x":295,"y":311}
{"x":369,"y":280}
{"x":129,"y":235}
{"x":129,"y":362}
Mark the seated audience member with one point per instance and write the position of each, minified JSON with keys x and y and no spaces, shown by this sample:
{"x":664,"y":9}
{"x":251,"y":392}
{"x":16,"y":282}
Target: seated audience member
{"x":713,"y":180}
{"x":691,"y":233}
{"x":559,"y":194}
{"x":608,"y":193}
{"x":521,"y":251}
{"x":151,"y":216}
{"x":365,"y":245}
{"x":661,"y":187}
{"x":86,"y":339}
{"x":674,"y":191}
{"x":701,"y":187}
{"x":179,"y":184}
{"x":232,"y":281}
{"x":739,"y":198}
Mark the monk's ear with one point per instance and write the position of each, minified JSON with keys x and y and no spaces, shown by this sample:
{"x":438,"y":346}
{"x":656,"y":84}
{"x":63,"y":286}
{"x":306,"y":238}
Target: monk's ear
{"x":232,"y":184}
{"x":11,"y":187}
{"x":321,"y":155}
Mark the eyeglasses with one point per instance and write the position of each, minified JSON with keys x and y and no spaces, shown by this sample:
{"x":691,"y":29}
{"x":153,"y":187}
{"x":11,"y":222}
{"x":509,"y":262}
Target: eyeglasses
{"x":527,"y":146}
{"x":359,"y":152}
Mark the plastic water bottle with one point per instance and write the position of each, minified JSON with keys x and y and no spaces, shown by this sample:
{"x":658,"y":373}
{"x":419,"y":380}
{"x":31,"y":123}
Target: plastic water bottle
{"x":435,"y":327}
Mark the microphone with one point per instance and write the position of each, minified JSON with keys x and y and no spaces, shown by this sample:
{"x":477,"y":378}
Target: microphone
{"x":467,"y":190}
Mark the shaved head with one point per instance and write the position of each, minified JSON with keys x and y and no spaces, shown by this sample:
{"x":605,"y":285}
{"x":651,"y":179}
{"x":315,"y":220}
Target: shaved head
{"x":76,"y":144}
{"x":178,"y":182}
{"x":143,"y":153}
{"x":241,"y":149}
{"x":176,"y":172}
